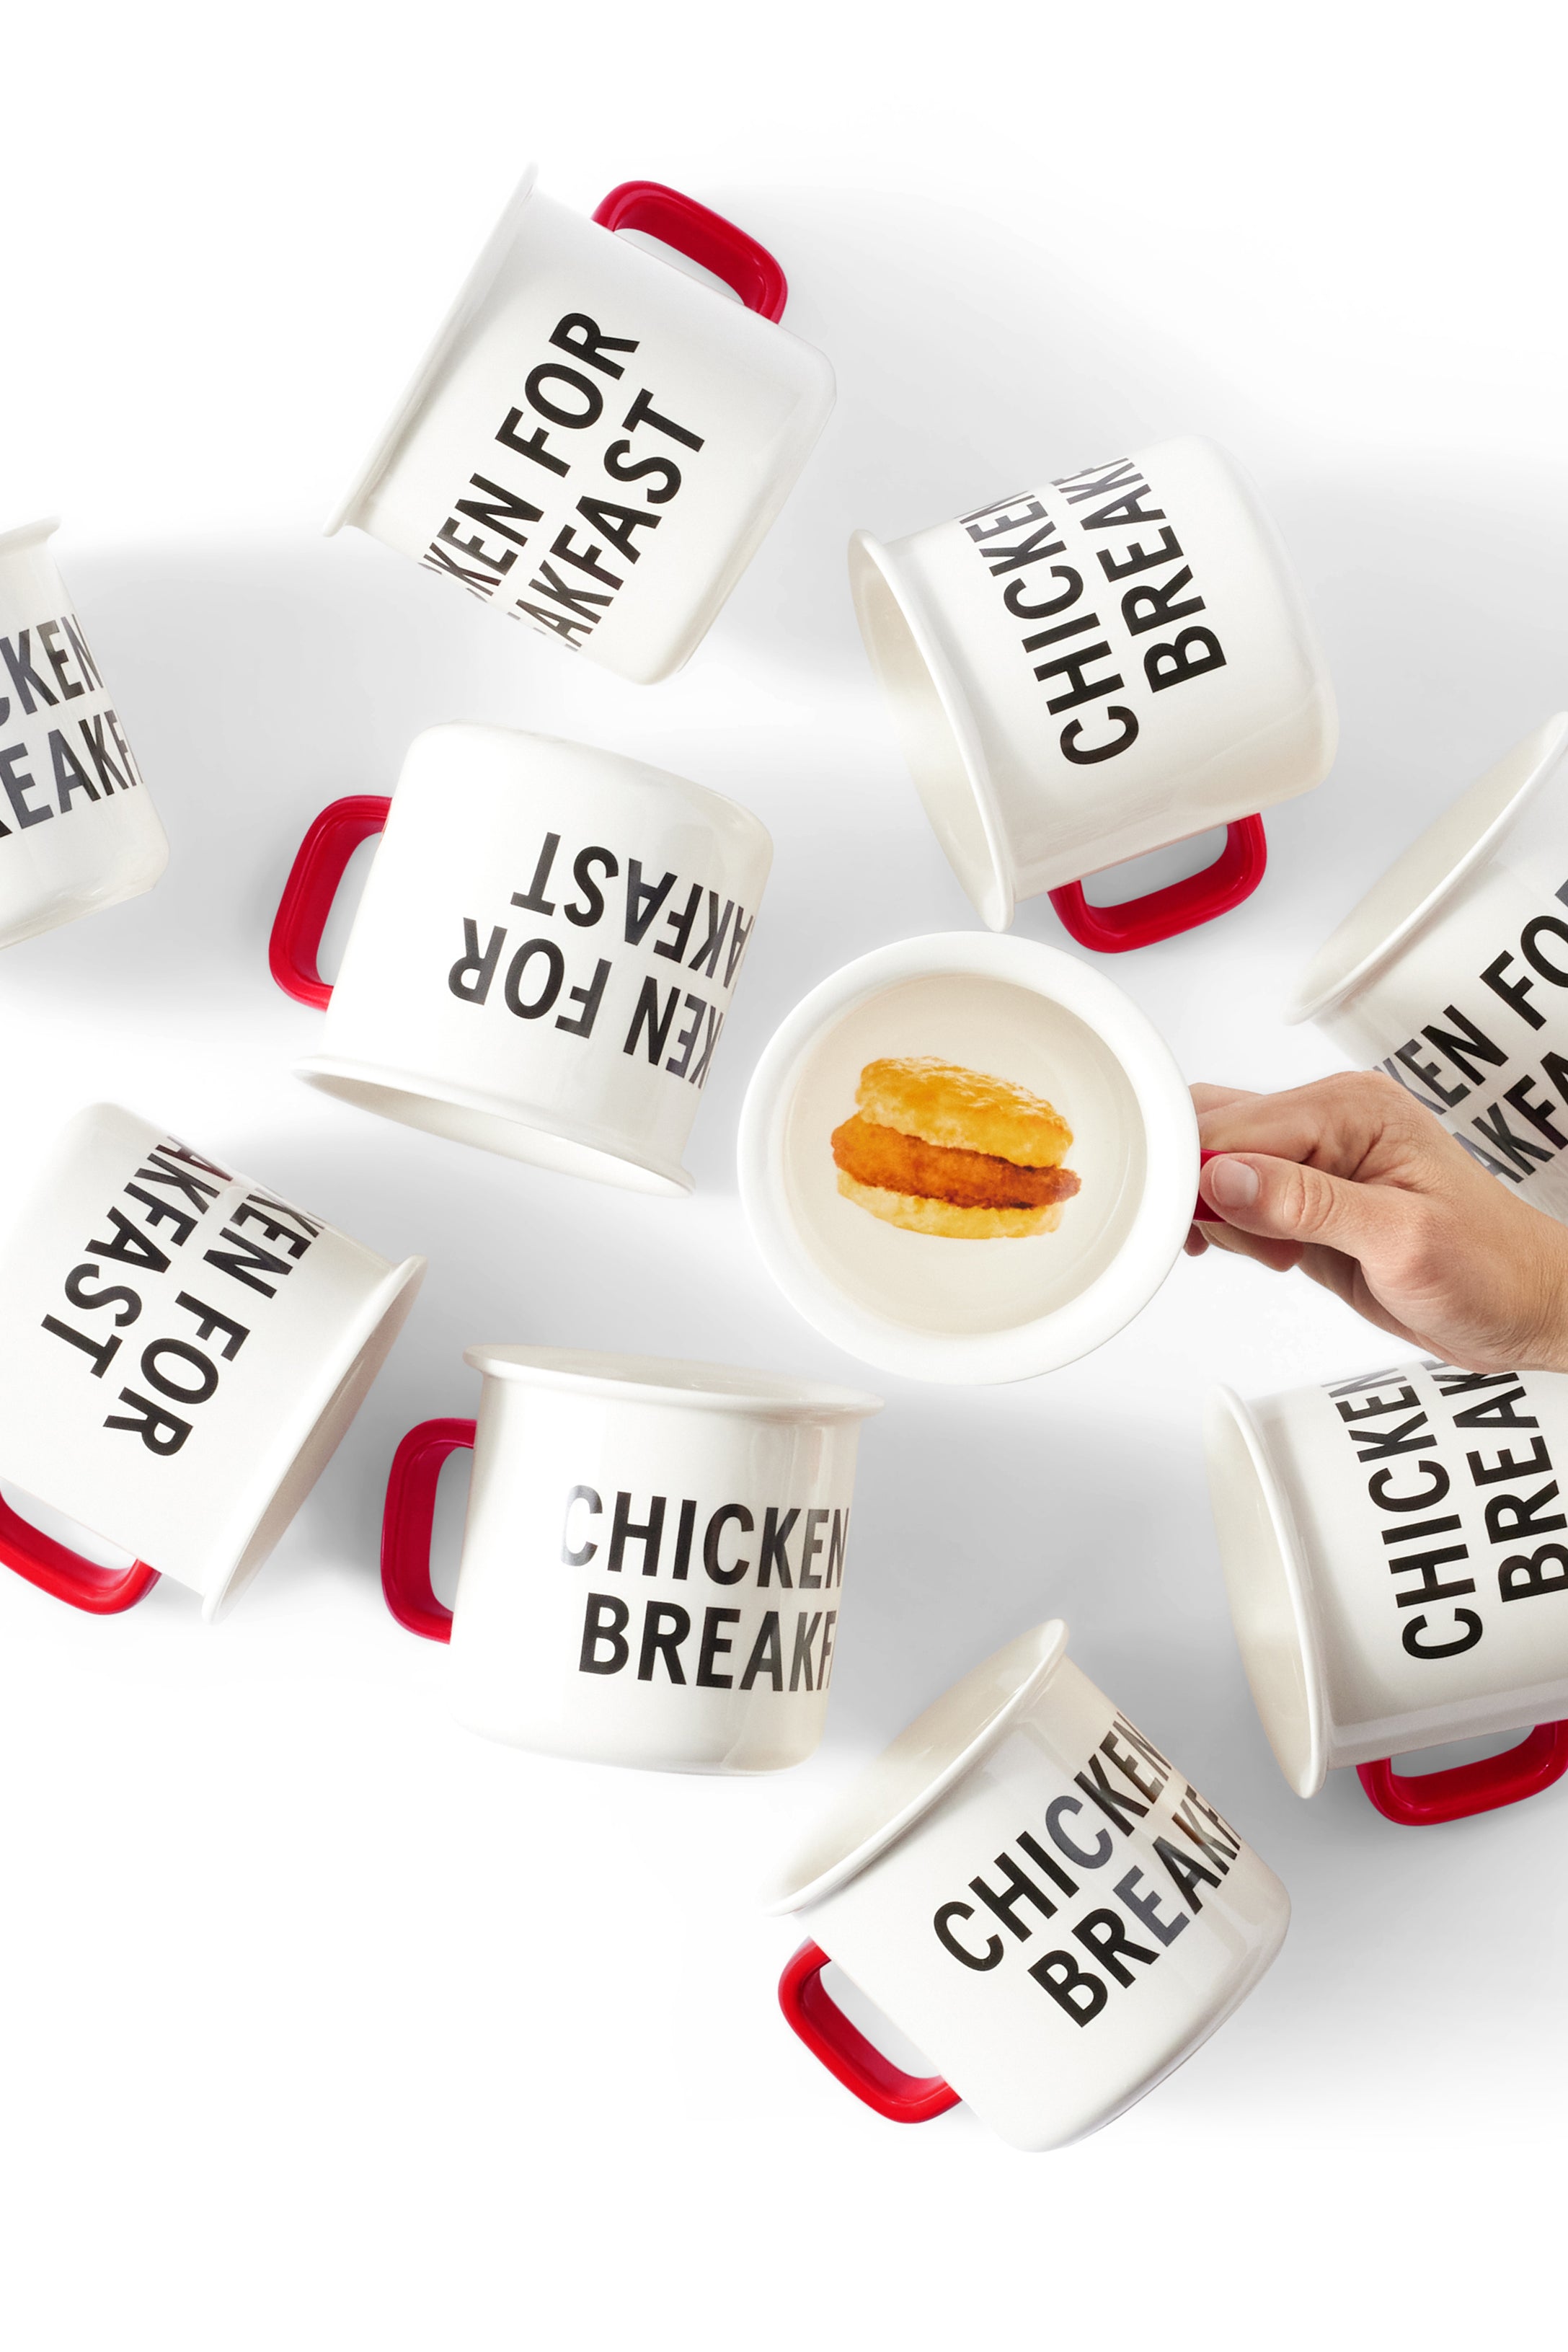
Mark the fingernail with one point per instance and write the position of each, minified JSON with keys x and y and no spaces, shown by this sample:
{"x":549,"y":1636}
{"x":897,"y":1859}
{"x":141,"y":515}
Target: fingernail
{"x":1232,"y":1184}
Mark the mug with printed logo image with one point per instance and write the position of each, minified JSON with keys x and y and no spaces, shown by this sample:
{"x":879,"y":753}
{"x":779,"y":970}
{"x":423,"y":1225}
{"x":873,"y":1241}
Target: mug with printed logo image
{"x":996,"y":1055}
{"x":547,"y":947}
{"x":76,"y":828}
{"x":596,"y":443}
{"x":180,"y":1352}
{"x":1452,"y":973}
{"x":1088,"y":671}
{"x":653,"y":1558}
{"x":1033,"y":1894}
{"x":1396,"y":1551}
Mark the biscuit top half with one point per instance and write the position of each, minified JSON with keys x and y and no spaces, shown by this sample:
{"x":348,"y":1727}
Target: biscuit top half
{"x":963,"y":1110}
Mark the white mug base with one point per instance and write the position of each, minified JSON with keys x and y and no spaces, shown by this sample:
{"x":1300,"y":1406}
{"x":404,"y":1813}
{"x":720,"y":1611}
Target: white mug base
{"x":328,"y":1408}
{"x":492,"y":1125}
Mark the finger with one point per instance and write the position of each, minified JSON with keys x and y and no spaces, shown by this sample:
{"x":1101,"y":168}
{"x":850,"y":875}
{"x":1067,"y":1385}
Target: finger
{"x":1207,"y":1098}
{"x":1278,"y":1258}
{"x":1338,"y":1124}
{"x":1284,"y":1201}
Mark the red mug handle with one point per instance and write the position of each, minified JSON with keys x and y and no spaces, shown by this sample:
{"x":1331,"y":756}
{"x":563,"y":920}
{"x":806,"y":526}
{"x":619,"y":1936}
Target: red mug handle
{"x":406,"y":1522}
{"x":1179,"y":906}
{"x":55,"y":1567}
{"x":1205,"y":1212}
{"x":704,"y":238}
{"x":844,"y":2051}
{"x":1418,"y":1800}
{"x":311,"y":886}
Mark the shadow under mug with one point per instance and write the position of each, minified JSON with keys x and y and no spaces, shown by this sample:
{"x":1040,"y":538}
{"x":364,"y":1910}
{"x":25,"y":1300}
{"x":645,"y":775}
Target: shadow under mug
{"x":544,"y":955}
{"x":1085,"y":672}
{"x":78,"y":830}
{"x":1034,"y":1895}
{"x":652,"y":1557}
{"x":1394,"y":1551}
{"x":1452,"y":973}
{"x":597,"y":443}
{"x":180,"y":1352}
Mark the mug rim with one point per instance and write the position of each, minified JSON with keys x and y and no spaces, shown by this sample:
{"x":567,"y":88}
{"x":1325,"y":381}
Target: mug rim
{"x":1314,"y":1768}
{"x":28,"y":534}
{"x":999,"y":905}
{"x":780,"y":1396}
{"x":1048,"y":1642}
{"x":669,"y":1181}
{"x":400,"y":1283}
{"x":1023,"y":1350}
{"x":1299,"y":1006}
{"x":476,"y":286}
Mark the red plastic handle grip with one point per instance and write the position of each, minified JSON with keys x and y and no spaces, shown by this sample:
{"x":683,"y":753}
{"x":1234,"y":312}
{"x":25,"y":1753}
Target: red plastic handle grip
{"x":1418,"y":1800}
{"x":704,"y":238}
{"x":1205,"y":1212}
{"x":1179,"y":906}
{"x":55,"y":1567}
{"x":311,"y":886}
{"x":406,"y":1522}
{"x":844,"y":2051}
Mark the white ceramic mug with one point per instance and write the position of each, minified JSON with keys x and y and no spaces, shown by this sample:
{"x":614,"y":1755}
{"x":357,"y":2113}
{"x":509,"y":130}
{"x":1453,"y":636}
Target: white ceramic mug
{"x":1395,"y":1554}
{"x":547,"y":947}
{"x":1452,"y":973}
{"x":1036,"y":1896}
{"x":942,"y":1310}
{"x":77,"y":828}
{"x":1094,"y":670}
{"x":597,"y":444}
{"x":653,"y":1560}
{"x":179,"y":1354}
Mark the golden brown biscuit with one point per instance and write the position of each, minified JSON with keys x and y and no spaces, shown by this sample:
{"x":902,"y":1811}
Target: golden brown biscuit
{"x":964,"y":1110}
{"x":918,"y":1215}
{"x":883,"y":1157}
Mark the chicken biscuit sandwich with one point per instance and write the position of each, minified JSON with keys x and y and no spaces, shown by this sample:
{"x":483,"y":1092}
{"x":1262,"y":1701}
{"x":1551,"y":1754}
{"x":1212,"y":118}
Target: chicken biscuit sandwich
{"x":941,"y":1150}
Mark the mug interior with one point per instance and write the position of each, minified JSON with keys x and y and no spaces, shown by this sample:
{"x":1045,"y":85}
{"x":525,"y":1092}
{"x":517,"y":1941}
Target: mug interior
{"x":1417,"y":883}
{"x":959,"y":1287}
{"x":923,"y":704}
{"x":925,"y":1759}
{"x":1259,"y":1552}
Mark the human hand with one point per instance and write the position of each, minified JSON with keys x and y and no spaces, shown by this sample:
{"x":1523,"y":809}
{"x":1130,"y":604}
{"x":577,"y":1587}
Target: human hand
{"x":1353,"y":1182}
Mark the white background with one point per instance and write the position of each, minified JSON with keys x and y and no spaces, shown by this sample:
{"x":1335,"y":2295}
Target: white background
{"x":322,"y":2022}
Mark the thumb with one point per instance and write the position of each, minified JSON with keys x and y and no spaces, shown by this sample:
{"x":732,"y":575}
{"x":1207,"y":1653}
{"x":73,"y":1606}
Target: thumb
{"x":1283,"y":1201}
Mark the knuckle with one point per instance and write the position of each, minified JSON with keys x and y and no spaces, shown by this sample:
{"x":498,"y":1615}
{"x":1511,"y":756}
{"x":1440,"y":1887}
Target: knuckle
{"x":1381,"y":1101}
{"x":1307,"y":1204}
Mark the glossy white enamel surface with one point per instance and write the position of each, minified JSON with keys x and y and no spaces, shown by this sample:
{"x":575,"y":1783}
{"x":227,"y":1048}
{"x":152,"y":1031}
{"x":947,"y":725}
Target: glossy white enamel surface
{"x":77,"y":829}
{"x":1395,"y":1559}
{"x":1024,"y":798}
{"x":1452,"y":973}
{"x":752,"y":395}
{"x":301,"y":1319}
{"x":620,"y":1598}
{"x":886,"y":1886}
{"x":576,"y":1031}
